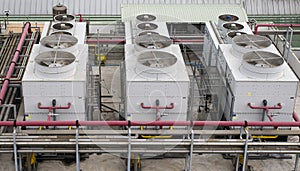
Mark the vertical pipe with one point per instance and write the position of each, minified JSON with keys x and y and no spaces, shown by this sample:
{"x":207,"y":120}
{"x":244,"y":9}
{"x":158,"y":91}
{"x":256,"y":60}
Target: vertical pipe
{"x":246,"y":148}
{"x":15,"y":149}
{"x":191,"y":149}
{"x":99,"y":85}
{"x":296,"y":162}
{"x":20,"y":162}
{"x":77,"y":150}
{"x":129,"y":149}
{"x":13,"y":62}
{"x":290,"y":44}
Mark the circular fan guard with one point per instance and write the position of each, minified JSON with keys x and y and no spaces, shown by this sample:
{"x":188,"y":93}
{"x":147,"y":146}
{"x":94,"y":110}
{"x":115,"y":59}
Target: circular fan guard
{"x":147,"y":33}
{"x":146,"y":17}
{"x":147,"y":26}
{"x":233,"y":26}
{"x":153,"y":41}
{"x":55,"y":59}
{"x":262,"y":59}
{"x":59,"y":41}
{"x":157,"y":59}
{"x":252,"y":41}
{"x":63,"y":26}
{"x":228,"y":17}
{"x":64,"y":17}
{"x":61,"y":32}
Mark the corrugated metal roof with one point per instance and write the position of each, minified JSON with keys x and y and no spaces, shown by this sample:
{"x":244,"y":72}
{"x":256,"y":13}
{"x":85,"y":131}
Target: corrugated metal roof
{"x":112,"y":7}
{"x":186,"y":13}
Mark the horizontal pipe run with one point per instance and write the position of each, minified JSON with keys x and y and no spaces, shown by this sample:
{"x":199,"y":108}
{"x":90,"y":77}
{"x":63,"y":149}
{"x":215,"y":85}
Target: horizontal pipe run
{"x":274,"y":25}
{"x":122,"y":41}
{"x":147,"y":123}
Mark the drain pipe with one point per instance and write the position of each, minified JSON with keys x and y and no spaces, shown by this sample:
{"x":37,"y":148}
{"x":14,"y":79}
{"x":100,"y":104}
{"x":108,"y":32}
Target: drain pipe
{"x":274,"y":25}
{"x":14,"y":61}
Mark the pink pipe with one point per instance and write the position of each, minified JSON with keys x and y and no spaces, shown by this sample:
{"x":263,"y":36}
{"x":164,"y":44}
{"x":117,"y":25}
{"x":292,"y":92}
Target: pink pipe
{"x":108,"y":41}
{"x":80,"y":17}
{"x":51,"y":108}
{"x":153,"y":123}
{"x":274,"y":25}
{"x":296,"y":117}
{"x":13,"y":62}
{"x":265,"y":107}
{"x":188,"y":40}
{"x":122,"y":41}
{"x":157,"y":107}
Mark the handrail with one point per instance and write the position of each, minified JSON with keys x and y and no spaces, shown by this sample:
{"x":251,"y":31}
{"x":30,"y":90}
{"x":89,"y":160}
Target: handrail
{"x":147,"y":123}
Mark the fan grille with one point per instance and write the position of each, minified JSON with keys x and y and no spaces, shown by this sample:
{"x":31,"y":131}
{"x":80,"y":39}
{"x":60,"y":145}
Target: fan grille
{"x":261,"y":59}
{"x":232,"y":34}
{"x":64,"y":17}
{"x":157,"y":59}
{"x":147,"y":33}
{"x":147,"y":26}
{"x":228,"y":17}
{"x":233,"y":26}
{"x":146,"y":17}
{"x":252,"y":41}
{"x":153,"y":41}
{"x":59,"y":41}
{"x":55,"y":59}
{"x":61,"y":32}
{"x":63,"y":26}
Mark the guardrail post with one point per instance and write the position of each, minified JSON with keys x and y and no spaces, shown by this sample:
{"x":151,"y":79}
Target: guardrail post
{"x":246,"y":147}
{"x":77,"y":148}
{"x":191,"y":148}
{"x":15,"y":145}
{"x":129,"y":146}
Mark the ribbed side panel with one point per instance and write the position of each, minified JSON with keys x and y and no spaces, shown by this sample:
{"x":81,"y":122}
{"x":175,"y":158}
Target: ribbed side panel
{"x":112,"y":7}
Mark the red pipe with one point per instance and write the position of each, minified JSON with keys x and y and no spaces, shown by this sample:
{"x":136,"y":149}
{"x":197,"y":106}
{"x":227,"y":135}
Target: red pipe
{"x":80,"y":17}
{"x":188,"y":40}
{"x":14,"y":61}
{"x":122,"y":41}
{"x":157,"y":107}
{"x":153,"y":123}
{"x":274,"y":25}
{"x":50,"y":108}
{"x":108,"y":41}
{"x":265,"y":107}
{"x":296,"y":117}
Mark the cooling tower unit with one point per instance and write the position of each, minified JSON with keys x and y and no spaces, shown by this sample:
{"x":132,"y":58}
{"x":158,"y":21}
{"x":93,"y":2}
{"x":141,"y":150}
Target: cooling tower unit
{"x":258,"y":73}
{"x":58,"y":76}
{"x":156,"y":76}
